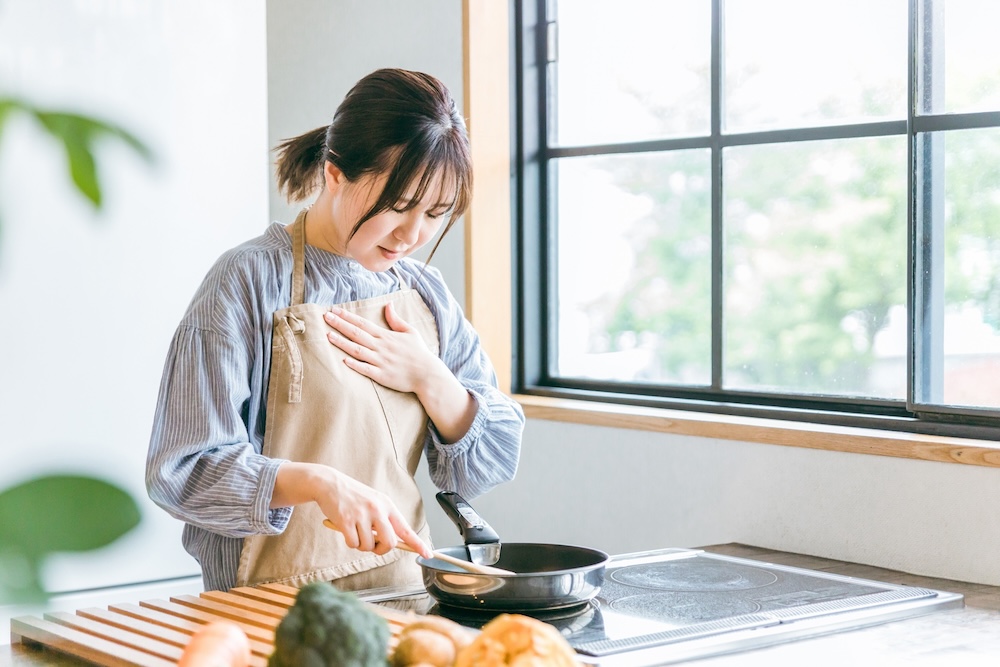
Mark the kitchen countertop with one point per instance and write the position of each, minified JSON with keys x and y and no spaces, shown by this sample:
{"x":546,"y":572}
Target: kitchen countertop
{"x":966,"y":637}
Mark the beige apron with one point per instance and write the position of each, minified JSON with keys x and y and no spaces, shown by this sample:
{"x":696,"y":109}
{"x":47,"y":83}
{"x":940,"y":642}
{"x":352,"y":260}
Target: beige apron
{"x":321,"y":411}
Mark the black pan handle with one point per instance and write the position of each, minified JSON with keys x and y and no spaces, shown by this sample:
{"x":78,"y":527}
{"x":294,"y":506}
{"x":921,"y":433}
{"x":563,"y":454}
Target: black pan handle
{"x":473,"y":527}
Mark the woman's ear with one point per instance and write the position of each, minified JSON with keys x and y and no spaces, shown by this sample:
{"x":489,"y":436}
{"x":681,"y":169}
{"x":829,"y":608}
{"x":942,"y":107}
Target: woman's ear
{"x":333,"y":177}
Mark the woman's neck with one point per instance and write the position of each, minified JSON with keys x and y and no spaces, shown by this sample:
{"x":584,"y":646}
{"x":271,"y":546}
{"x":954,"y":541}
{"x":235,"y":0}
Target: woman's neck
{"x":321,"y":232}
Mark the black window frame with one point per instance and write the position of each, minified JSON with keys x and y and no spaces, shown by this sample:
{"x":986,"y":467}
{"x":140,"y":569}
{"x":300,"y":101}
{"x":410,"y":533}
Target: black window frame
{"x":532,"y":37}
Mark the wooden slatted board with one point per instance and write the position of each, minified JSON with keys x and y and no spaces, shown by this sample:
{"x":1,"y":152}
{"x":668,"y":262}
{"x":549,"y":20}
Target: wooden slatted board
{"x":155,"y":632}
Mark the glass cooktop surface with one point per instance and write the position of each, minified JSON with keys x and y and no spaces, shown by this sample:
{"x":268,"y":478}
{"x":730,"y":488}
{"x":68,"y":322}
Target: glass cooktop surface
{"x":662,"y":606}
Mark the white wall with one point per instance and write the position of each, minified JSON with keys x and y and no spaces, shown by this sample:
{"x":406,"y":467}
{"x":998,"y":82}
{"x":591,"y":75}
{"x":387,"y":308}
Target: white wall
{"x":89,"y":301}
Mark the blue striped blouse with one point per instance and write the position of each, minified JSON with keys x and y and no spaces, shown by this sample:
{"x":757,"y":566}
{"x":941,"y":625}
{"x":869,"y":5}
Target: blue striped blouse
{"x":204,"y":464}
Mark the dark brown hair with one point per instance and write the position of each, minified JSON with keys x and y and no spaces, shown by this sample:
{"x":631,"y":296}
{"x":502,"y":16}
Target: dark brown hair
{"x":393,"y":121}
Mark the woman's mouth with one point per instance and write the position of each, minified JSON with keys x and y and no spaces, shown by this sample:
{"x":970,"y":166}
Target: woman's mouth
{"x":390,"y":254}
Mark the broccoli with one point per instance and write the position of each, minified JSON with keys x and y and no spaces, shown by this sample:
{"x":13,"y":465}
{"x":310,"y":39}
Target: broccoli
{"x":327,"y":627}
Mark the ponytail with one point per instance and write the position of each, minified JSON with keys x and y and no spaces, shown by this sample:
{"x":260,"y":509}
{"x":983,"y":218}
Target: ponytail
{"x":298,"y":164}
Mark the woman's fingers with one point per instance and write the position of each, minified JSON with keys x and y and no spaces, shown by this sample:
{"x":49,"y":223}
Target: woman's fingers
{"x":352,"y":349}
{"x":361,"y":330}
{"x":385,"y":537}
{"x":366,"y":540}
{"x":371,"y":521}
{"x":395,"y":322}
{"x":397,"y":357}
{"x":409,"y":536}
{"x":351,"y":327}
{"x":350,"y":534}
{"x":353,"y":538}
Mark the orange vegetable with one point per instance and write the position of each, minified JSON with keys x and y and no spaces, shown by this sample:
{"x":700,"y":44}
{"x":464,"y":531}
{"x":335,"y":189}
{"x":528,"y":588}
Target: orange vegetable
{"x":217,"y":644}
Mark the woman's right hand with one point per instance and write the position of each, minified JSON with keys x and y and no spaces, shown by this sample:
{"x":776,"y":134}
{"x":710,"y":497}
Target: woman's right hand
{"x":367,"y":518}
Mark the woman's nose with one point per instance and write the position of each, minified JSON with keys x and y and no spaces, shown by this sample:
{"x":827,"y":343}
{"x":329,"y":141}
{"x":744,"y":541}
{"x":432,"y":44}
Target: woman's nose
{"x":409,"y":230}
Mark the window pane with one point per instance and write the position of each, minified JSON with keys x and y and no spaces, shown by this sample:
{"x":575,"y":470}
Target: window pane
{"x":634,"y":267}
{"x":790,"y":63}
{"x":630,"y":70}
{"x":970,"y":314}
{"x":962,"y":62}
{"x":815,"y":267}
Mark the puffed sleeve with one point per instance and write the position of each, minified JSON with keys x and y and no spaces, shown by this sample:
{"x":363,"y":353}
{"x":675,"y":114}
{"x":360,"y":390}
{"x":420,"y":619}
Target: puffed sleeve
{"x":202,"y":467}
{"x":488,"y":454}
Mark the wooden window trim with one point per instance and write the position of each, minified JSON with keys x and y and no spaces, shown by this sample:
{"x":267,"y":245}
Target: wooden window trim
{"x":486,"y":77}
{"x":942,"y":449}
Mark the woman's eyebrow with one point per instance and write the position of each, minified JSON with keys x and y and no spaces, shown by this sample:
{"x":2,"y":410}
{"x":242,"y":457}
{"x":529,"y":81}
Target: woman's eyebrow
{"x":407,"y":203}
{"x":446,"y":205}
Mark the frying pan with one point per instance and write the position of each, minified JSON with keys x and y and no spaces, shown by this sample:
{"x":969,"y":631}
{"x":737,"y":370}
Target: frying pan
{"x":545,"y":576}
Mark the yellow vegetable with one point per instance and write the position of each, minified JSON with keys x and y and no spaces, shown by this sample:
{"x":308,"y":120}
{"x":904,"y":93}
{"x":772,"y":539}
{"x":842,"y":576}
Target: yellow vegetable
{"x":424,"y":647}
{"x":430,"y":642}
{"x":515,"y":640}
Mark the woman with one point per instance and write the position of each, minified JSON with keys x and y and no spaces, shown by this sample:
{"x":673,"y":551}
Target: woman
{"x":318,"y":361}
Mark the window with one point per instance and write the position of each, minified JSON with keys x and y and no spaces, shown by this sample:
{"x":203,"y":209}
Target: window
{"x":762,"y":207}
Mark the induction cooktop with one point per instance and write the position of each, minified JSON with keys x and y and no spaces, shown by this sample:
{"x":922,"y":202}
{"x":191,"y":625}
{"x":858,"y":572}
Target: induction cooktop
{"x":665,"y":606}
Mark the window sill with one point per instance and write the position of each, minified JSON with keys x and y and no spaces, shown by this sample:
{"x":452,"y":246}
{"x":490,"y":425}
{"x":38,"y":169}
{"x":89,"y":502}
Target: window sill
{"x":942,"y":449}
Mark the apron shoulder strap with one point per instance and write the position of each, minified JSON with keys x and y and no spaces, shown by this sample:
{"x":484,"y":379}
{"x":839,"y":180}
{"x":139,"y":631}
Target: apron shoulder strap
{"x":299,"y":258}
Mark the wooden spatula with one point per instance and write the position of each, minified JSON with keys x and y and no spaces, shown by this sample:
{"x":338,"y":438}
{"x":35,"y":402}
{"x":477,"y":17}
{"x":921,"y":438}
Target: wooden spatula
{"x":475,"y":568}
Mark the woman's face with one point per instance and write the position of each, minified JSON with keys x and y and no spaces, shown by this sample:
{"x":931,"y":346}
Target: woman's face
{"x":392,"y":234}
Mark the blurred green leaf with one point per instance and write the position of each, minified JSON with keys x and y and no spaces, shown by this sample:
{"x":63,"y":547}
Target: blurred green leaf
{"x":20,"y":579}
{"x":79,"y":136}
{"x":82,"y":169}
{"x":64,"y":513}
{"x":53,"y":514}
{"x":6,"y":106}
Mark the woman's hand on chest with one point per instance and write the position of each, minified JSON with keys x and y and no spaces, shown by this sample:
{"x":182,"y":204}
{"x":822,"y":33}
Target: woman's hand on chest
{"x":396,"y":357}
{"x":399,"y":359}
